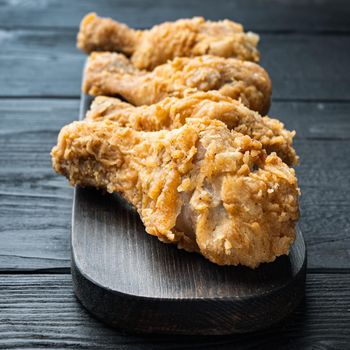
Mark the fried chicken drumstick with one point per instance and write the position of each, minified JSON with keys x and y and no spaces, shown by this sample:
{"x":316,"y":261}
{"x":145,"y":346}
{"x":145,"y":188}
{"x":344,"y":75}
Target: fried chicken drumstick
{"x":113,"y":74}
{"x":202,"y":187}
{"x":173,"y":112}
{"x":182,"y":38}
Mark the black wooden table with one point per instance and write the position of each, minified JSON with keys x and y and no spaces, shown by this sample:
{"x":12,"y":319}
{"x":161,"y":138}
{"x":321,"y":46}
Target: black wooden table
{"x":305,"y":47}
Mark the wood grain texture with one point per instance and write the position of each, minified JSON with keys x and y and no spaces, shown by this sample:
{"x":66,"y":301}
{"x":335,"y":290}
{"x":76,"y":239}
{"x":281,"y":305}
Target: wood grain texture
{"x":39,"y":239}
{"x":276,"y":15}
{"x":118,"y":270}
{"x":46,"y":63}
{"x":35,"y":203}
{"x":40,"y":311}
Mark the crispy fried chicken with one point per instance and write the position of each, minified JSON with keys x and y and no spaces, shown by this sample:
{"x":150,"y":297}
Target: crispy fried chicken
{"x":182,"y":38}
{"x":202,"y":187}
{"x":113,"y":74}
{"x":173,"y":112}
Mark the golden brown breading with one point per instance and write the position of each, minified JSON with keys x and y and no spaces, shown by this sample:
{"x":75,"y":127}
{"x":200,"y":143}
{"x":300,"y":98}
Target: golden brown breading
{"x":201,"y":186}
{"x":182,"y":38}
{"x":173,"y":112}
{"x":112,"y":74}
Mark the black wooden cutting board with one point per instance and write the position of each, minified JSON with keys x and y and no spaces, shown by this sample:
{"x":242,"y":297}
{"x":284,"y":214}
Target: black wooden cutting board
{"x":131,"y":281}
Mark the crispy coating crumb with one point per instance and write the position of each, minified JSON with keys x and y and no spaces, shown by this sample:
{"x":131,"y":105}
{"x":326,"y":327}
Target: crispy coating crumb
{"x":237,"y":204}
{"x":173,"y":112}
{"x":112,"y":74}
{"x":182,"y":38}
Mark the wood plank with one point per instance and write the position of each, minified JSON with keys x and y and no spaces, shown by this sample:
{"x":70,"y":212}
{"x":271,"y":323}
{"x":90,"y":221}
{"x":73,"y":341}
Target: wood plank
{"x":27,"y":42}
{"x":118,"y":270}
{"x":35,"y":203}
{"x":305,"y":67}
{"x":46,"y":63}
{"x":324,"y":202}
{"x":41,"y":75}
{"x":40,"y":311}
{"x":302,"y":15}
{"x":319,"y":121}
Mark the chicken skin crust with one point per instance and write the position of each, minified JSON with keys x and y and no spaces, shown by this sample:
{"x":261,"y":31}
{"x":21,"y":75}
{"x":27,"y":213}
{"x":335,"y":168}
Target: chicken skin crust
{"x":182,"y":38}
{"x":203,"y":187}
{"x":112,"y":74}
{"x":172,"y":113}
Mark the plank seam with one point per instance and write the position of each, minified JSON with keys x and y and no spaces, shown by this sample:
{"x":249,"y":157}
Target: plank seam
{"x":66,"y":271}
{"x":46,"y":271}
{"x":289,"y":32}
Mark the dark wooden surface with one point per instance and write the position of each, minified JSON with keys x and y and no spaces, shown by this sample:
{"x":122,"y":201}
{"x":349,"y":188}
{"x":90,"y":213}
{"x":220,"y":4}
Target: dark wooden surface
{"x":36,"y":56}
{"x":40,"y":311}
{"x":119,"y":270}
{"x":305,"y":45}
